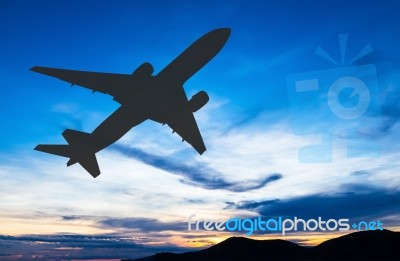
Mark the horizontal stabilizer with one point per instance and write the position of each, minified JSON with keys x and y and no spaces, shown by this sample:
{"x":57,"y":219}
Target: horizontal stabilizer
{"x":79,"y":150}
{"x":60,"y":150}
{"x":89,"y":163}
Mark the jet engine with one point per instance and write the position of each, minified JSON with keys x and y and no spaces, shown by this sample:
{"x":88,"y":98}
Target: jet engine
{"x":198,"y":101}
{"x":144,"y":70}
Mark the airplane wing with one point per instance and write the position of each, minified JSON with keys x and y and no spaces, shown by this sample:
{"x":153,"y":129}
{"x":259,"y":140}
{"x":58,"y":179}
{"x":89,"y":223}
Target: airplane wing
{"x":178,"y":72}
{"x":108,"y":83}
{"x":185,"y":126}
{"x":182,"y":122}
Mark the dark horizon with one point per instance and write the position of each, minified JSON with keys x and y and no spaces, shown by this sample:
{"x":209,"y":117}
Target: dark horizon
{"x":116,"y":248}
{"x":361,"y":245}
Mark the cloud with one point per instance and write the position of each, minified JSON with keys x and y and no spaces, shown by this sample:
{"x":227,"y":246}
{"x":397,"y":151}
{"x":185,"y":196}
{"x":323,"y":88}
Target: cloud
{"x":97,"y":241}
{"x":63,"y":247}
{"x":390,"y":109}
{"x":361,"y":173}
{"x":69,"y":218}
{"x":65,"y":107}
{"x":386,"y":63}
{"x":354,"y":201}
{"x":195,"y":175}
{"x":145,"y":225}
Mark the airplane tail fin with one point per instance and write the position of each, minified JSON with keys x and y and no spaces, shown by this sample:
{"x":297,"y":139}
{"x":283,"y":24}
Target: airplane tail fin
{"x":79,"y":150}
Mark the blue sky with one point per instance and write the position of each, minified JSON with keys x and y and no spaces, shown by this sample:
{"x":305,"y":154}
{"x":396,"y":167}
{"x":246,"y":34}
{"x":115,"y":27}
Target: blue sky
{"x":274,"y":38}
{"x":150,"y":181}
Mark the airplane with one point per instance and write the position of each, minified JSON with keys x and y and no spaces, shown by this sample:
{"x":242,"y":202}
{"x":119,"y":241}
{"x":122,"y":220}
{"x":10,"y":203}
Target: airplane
{"x":142,"y":96}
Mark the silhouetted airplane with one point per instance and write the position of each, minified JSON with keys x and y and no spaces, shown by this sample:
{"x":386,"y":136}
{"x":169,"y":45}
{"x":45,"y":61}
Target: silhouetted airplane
{"x":142,"y":96}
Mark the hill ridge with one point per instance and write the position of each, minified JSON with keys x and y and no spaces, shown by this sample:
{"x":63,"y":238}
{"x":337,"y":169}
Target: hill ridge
{"x":361,"y":245}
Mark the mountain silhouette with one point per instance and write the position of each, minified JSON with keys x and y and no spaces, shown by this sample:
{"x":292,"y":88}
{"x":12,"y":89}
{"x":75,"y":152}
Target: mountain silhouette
{"x":364,"y":245}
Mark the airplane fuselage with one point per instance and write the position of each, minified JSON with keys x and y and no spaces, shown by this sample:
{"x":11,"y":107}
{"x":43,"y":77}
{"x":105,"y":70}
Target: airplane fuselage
{"x":136,"y":108}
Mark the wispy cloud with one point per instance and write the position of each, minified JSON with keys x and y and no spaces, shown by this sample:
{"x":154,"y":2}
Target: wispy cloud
{"x":355,"y":201}
{"x":146,"y":225}
{"x":361,"y":173}
{"x":64,"y":246}
{"x":196,"y":175}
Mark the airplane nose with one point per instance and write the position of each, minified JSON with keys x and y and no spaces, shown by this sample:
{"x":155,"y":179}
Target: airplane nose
{"x":226,"y":31}
{"x":218,"y":37}
{"x":223,"y":32}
